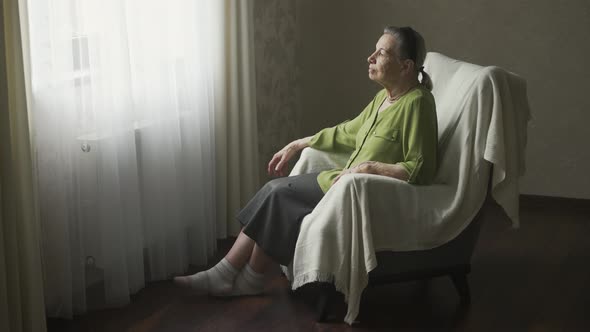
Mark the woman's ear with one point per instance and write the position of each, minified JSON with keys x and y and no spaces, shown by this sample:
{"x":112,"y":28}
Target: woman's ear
{"x":408,"y":66}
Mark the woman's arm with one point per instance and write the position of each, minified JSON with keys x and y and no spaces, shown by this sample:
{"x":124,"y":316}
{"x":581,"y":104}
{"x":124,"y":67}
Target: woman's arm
{"x":378,"y":168}
{"x":278,"y":164}
{"x":391,"y":170}
{"x":340,"y":138}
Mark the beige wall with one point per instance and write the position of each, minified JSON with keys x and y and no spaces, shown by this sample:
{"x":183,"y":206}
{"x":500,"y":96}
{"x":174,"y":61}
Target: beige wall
{"x":277,"y":77}
{"x":544,"y":41}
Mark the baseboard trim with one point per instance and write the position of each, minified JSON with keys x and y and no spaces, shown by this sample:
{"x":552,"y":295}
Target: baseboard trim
{"x":538,"y":201}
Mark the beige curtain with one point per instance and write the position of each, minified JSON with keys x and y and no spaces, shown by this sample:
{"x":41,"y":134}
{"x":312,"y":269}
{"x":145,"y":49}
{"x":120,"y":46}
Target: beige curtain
{"x":236,"y":129}
{"x":21,"y":281}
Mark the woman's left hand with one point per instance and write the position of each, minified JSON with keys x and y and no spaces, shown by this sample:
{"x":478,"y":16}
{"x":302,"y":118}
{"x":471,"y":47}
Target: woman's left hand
{"x":374,"y":167}
{"x":364,"y":167}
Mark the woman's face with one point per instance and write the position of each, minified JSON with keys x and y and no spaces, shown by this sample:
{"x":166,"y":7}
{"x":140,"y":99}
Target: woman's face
{"x":384,"y":65}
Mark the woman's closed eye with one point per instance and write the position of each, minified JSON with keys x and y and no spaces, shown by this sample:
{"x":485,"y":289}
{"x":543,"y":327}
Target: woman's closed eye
{"x":381,"y":53}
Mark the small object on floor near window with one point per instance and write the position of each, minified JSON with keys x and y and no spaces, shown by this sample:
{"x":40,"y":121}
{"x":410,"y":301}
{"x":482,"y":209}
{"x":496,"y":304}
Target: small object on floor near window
{"x":90,"y":261}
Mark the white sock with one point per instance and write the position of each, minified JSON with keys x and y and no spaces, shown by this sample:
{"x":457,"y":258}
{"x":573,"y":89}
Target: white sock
{"x":218,"y":280}
{"x":248,"y":282}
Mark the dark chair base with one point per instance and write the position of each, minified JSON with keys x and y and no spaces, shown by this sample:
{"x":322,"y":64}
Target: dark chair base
{"x":450,"y":259}
{"x":327,"y":293}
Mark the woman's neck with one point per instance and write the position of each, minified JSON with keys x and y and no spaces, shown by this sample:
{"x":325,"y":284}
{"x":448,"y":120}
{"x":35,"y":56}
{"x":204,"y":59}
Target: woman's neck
{"x":395,"y":91}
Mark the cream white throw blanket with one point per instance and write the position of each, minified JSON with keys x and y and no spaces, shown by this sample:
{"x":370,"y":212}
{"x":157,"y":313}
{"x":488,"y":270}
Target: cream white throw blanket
{"x":483,"y":114}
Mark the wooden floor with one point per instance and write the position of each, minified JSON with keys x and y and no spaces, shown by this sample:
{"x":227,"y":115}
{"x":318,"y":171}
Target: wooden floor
{"x":536,"y":278}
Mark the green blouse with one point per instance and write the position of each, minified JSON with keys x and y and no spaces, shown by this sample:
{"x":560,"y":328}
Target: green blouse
{"x":405,"y":133}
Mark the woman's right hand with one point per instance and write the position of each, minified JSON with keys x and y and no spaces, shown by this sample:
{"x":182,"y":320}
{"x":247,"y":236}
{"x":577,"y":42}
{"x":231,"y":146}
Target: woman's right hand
{"x":278,"y":164}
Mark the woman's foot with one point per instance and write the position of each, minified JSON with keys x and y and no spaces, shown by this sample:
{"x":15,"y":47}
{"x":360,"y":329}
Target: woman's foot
{"x":218,"y":280}
{"x":248,"y":282}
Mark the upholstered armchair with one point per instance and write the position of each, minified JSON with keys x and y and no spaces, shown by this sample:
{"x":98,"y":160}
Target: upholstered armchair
{"x":370,"y":229}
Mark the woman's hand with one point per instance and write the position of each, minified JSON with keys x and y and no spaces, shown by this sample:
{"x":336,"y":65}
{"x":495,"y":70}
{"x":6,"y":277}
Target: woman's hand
{"x":364,"y":167}
{"x":375,"y":167}
{"x":278,"y":164}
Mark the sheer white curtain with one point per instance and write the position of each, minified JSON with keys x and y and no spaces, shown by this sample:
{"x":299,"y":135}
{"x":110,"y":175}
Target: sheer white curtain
{"x":126,"y":98}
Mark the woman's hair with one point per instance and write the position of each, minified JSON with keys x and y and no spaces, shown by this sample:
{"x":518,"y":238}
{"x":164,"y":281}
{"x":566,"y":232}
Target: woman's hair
{"x":411,"y":45}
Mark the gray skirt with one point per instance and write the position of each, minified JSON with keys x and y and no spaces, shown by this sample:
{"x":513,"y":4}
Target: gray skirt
{"x":273,"y":217}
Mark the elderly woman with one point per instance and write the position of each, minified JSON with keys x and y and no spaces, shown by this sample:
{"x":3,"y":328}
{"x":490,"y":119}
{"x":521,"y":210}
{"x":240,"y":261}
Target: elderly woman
{"x":395,"y":136}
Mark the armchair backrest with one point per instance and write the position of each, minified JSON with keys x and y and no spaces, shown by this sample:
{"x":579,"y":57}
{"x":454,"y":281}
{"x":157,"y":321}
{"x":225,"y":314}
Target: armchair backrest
{"x":458,"y":88}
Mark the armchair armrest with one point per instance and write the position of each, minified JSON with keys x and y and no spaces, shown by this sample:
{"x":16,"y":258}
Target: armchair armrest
{"x":312,"y":160}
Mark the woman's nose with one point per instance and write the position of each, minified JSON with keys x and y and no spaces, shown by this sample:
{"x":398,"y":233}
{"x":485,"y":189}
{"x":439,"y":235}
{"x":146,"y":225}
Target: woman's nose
{"x":371,"y":58}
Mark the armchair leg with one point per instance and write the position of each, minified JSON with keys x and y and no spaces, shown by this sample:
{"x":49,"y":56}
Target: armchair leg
{"x":324,"y":301}
{"x":462,"y":286}
{"x":322,"y":307}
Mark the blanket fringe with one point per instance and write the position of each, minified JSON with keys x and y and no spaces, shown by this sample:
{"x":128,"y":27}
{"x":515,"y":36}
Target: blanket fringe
{"x":318,"y":276}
